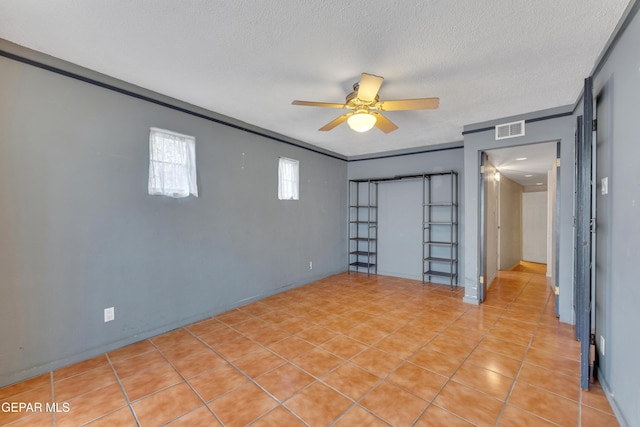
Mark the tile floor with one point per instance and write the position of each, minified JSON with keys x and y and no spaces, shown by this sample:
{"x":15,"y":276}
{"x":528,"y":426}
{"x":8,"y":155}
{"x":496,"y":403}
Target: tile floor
{"x":348,"y":350}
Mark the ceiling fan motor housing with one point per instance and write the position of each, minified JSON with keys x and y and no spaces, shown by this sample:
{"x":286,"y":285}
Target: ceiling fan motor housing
{"x":355,"y":103}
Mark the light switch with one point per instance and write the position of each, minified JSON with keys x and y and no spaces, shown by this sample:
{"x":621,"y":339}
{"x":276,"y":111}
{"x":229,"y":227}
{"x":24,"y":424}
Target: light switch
{"x":604,"y":185}
{"x":109,"y":314}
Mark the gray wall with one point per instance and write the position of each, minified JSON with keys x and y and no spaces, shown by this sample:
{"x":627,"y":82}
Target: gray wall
{"x":617,"y":90}
{"x":534,"y":226}
{"x":554,"y":129}
{"x":399,"y":226}
{"x":491,"y":189}
{"x":552,"y":183}
{"x":78,"y":231}
{"x":510,"y":223}
{"x":405,"y":194}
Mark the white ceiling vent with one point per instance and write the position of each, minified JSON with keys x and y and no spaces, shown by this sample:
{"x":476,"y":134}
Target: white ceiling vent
{"x":510,"y":130}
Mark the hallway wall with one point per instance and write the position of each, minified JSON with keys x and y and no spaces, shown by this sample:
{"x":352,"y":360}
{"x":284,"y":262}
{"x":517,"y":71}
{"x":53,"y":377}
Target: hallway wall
{"x":534,"y":227}
{"x":491,"y":197}
{"x":510,"y":223}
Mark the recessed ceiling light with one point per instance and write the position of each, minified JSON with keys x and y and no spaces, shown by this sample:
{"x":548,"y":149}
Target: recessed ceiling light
{"x":521,"y":158}
{"x":538,"y":183}
{"x":528,"y":176}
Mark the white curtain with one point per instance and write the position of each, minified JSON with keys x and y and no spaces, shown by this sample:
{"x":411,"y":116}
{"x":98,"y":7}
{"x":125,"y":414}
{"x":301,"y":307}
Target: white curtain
{"x":172,"y":164}
{"x":288,"y":182}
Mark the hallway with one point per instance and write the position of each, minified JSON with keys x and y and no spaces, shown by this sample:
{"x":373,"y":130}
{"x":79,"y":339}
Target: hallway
{"x":346,"y":350}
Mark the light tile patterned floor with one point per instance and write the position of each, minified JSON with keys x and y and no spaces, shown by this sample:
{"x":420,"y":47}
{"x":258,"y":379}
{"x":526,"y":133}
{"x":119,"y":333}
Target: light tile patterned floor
{"x":348,"y":350}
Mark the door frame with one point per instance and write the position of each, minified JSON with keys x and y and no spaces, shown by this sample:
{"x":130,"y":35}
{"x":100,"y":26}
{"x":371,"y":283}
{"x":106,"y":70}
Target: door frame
{"x":482,"y":206}
{"x":556,"y":277}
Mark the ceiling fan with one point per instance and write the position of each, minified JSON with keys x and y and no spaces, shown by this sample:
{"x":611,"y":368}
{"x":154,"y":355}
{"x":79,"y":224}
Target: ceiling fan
{"x":366,"y":106}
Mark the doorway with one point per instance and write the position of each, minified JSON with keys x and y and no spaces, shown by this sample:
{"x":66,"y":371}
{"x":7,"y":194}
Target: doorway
{"x":519,"y":208}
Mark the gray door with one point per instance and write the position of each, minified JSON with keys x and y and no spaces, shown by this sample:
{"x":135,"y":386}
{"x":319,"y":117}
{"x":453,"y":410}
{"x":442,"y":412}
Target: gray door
{"x":583,"y":221}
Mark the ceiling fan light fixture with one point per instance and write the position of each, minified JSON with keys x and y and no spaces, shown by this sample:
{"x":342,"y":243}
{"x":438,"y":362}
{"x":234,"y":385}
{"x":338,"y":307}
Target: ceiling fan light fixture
{"x":361,"y":121}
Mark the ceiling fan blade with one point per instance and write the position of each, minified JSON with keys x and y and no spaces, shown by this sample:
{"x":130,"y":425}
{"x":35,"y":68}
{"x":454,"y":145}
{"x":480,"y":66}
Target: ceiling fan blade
{"x":319,"y":104}
{"x":410,"y":104}
{"x":369,"y":86}
{"x":335,"y":122}
{"x":384,"y":124}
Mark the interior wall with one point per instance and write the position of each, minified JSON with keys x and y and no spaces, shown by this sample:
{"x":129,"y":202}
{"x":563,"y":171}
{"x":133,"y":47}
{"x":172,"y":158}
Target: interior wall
{"x":617,"y":297}
{"x":534,"y":227}
{"x":404,"y":195}
{"x":510,"y":223}
{"x":79,"y":233}
{"x":491,"y":193}
{"x":551,"y":222}
{"x":399,"y":227}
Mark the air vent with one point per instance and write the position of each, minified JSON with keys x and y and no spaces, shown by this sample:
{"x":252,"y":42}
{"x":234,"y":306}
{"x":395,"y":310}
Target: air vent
{"x":510,"y":130}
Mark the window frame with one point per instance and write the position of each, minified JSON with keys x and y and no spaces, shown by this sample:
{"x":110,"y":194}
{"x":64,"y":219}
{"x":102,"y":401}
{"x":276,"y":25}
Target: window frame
{"x":288,"y":187}
{"x":162,"y":168}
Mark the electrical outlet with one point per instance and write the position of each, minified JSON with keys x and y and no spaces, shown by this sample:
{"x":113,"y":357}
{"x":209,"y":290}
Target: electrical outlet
{"x":310,"y":265}
{"x":109,"y":314}
{"x":604,"y":185}
{"x":602,"y":345}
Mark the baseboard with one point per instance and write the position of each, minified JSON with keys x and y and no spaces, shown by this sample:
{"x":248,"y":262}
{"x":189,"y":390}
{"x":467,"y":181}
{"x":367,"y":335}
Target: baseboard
{"x":471,"y":300}
{"x":612,"y":400}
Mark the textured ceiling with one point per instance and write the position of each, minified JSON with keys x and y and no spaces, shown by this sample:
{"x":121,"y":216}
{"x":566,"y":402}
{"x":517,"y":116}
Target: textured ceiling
{"x":250,"y":59}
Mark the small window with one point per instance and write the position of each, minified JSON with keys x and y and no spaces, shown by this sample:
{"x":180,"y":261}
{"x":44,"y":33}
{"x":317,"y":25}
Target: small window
{"x":172,"y":164}
{"x":288,"y":182}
